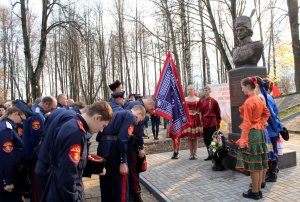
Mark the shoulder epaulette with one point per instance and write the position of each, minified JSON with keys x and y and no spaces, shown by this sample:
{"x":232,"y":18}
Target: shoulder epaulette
{"x":8,"y":125}
{"x":80,"y":124}
{"x":37,"y":110}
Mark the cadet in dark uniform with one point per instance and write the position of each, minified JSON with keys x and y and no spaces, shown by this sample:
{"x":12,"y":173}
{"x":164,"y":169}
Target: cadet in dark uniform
{"x":117,"y":101}
{"x":33,"y":126}
{"x":155,"y":121}
{"x":12,"y":153}
{"x":52,"y":125}
{"x":113,"y":147}
{"x":116,"y":86}
{"x":136,"y":149}
{"x":32,"y":136}
{"x":69,"y":153}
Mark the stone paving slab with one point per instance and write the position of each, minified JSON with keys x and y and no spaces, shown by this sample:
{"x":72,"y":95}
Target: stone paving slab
{"x":197,"y":182}
{"x":188,"y":180}
{"x":293,"y":124}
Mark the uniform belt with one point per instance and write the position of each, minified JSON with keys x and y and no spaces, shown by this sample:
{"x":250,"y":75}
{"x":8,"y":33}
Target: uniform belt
{"x":109,"y":137}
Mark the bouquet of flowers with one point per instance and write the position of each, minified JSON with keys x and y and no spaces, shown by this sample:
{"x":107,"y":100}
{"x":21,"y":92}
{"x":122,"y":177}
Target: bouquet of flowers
{"x":217,"y":144}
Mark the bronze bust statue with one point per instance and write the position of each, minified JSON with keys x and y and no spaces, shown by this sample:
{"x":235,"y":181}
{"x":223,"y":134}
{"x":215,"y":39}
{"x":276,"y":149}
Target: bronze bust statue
{"x":248,"y":52}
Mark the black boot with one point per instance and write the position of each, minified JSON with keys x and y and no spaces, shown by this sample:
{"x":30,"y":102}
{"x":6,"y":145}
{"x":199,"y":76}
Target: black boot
{"x":208,"y":158}
{"x":138,"y":199}
{"x":272,"y":172}
{"x":272,"y":177}
{"x":175,"y":155}
{"x":260,"y":194}
{"x":252,"y":195}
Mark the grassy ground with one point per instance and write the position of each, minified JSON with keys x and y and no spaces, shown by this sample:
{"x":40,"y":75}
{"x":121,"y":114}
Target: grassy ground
{"x":289,"y":111}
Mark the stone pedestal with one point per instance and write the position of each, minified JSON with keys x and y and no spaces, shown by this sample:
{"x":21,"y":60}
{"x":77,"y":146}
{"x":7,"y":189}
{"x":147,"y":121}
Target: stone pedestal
{"x":237,"y":98}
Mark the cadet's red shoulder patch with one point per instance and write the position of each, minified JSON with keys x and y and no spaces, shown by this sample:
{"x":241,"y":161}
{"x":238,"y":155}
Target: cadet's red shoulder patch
{"x":8,"y":146}
{"x":74,"y":153}
{"x":130,"y":130}
{"x":80,"y":124}
{"x":20,"y":131}
{"x":36,"y":125}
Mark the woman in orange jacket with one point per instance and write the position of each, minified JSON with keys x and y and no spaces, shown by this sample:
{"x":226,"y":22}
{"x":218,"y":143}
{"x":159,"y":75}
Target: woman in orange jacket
{"x":252,"y":155}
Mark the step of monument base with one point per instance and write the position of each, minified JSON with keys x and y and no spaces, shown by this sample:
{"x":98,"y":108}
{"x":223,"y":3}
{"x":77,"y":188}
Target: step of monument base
{"x":287,"y":160}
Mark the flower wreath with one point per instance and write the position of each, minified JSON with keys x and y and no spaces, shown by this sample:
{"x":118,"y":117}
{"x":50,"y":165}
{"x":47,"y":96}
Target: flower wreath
{"x":217,"y":144}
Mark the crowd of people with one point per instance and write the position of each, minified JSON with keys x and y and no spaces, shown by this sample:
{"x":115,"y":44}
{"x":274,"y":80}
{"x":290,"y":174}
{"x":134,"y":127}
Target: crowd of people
{"x":261,"y":127}
{"x":46,"y":145}
{"x":205,"y":116}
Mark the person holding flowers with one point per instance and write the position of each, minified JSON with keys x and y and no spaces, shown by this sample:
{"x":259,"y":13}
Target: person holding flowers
{"x":217,"y":150}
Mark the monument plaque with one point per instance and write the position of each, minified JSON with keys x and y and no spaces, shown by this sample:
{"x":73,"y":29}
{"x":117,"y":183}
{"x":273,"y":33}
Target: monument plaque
{"x":236,"y":95}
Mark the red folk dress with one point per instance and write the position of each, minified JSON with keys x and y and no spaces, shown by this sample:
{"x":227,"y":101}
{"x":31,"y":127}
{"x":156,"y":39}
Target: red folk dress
{"x":194,"y":130}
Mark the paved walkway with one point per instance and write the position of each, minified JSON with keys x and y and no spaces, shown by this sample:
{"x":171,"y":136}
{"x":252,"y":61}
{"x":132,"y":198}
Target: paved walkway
{"x":187,"y":180}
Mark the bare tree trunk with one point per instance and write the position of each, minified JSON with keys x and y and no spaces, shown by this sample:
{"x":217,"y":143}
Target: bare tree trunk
{"x":103,"y":56}
{"x":142,"y":63}
{"x":159,"y":56}
{"x":273,"y":43}
{"x":136,"y":53}
{"x":269,"y":50}
{"x":4,"y":15}
{"x":11,"y":70}
{"x":233,"y":17}
{"x":120,"y":8}
{"x":27,"y":49}
{"x":154,"y":62}
{"x":113,"y":62}
{"x":217,"y":36}
{"x":205,"y":63}
{"x":173,"y":37}
{"x":126,"y":65}
{"x":218,"y":66}
{"x":258,"y":13}
{"x":293,"y":12}
{"x":185,"y":41}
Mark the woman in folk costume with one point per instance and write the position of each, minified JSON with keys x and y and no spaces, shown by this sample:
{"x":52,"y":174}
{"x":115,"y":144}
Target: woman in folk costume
{"x":195,"y":129}
{"x":262,"y":94}
{"x":252,"y":155}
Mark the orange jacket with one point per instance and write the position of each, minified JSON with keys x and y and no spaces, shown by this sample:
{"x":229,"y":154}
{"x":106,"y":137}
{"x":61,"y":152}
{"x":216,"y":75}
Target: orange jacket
{"x":254,"y":114}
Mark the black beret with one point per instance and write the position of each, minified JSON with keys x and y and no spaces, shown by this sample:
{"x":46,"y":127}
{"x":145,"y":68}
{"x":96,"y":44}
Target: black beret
{"x":23,"y":107}
{"x":118,"y":94}
{"x":115,"y":85}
